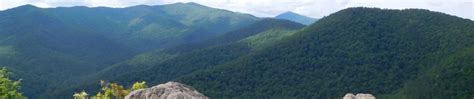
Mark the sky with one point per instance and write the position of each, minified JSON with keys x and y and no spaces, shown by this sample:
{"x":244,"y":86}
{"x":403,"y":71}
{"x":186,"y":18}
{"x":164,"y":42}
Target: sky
{"x":270,"y":8}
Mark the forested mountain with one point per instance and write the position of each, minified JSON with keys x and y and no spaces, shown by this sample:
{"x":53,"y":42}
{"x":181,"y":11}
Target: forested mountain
{"x":275,"y":27}
{"x":52,"y":46}
{"x":170,"y":63}
{"x":409,"y":53}
{"x":225,"y":47}
{"x":389,"y":53}
{"x":296,"y":18}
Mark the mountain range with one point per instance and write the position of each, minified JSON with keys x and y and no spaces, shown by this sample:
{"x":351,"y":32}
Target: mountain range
{"x":411,"y":53}
{"x":48,"y":46}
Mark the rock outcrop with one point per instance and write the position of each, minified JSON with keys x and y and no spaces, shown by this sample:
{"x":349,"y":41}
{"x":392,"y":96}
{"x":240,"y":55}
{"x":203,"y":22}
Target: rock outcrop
{"x":170,"y":90}
{"x":358,"y":96}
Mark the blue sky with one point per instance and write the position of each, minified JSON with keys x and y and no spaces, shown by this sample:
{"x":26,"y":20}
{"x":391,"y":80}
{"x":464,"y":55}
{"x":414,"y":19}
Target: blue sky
{"x":270,"y":8}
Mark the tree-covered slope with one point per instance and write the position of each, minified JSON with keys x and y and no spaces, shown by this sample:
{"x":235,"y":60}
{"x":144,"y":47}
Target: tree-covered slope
{"x":356,"y":50}
{"x":452,"y":78}
{"x":168,"y":64}
{"x":42,"y":50}
{"x":265,"y":25}
{"x":226,"y":41}
{"x":50,"y":47}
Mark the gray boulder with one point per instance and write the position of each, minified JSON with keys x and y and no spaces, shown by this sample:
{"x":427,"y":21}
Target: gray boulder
{"x":358,"y":96}
{"x":170,"y":90}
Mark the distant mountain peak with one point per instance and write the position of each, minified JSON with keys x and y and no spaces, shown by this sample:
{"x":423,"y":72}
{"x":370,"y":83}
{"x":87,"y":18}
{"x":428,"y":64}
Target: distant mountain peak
{"x":289,"y":12}
{"x":188,"y":4}
{"x":141,"y":5}
{"x":292,"y":16}
{"x":23,"y":9}
{"x":194,"y":3}
{"x":27,"y":6}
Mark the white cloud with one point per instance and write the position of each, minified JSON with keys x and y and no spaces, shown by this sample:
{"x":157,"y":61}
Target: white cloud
{"x":269,"y":8}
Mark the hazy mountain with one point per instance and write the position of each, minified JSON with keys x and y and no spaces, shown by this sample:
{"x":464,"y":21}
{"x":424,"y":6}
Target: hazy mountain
{"x":148,"y":27}
{"x":296,"y":18}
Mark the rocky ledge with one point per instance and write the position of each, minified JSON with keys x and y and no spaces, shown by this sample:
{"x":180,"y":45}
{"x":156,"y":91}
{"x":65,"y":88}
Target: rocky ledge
{"x":170,"y":90}
{"x":358,"y":96}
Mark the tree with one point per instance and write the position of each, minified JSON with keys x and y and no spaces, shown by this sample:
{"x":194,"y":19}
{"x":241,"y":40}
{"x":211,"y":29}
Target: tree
{"x":112,"y":90}
{"x":81,"y":95}
{"x":139,"y":85}
{"x":8,"y":88}
{"x":119,"y":91}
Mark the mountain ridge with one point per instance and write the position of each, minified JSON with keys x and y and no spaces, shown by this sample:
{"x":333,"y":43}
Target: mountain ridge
{"x":377,"y":51}
{"x":77,"y":41}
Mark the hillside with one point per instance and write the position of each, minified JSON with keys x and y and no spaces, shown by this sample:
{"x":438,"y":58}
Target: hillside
{"x":47,"y":47}
{"x":357,"y":50}
{"x":296,"y":18}
{"x":41,"y":49}
{"x":213,"y":51}
{"x":164,"y":65}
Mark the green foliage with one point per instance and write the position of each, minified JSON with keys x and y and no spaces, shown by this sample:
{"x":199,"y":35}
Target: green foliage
{"x":81,"y":95}
{"x":111,"y":91}
{"x":452,"y":78}
{"x":139,"y":85}
{"x":9,"y":89}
